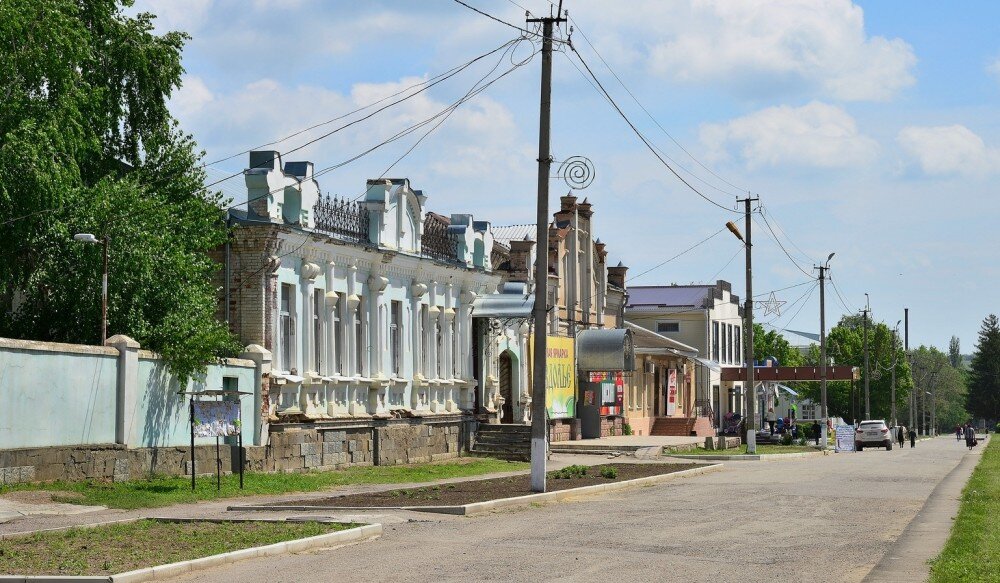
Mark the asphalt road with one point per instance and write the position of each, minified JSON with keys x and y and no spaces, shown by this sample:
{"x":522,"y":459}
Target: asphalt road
{"x":829,"y":518}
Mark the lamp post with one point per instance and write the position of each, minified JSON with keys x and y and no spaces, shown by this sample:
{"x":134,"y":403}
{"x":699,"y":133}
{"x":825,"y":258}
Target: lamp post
{"x":751,"y":393}
{"x":105,"y":241}
{"x":822,"y":348}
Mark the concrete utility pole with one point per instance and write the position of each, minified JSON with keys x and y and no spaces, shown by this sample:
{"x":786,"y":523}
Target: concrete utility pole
{"x":822,"y":348}
{"x":895,"y":335}
{"x":539,"y":422}
{"x":750,"y":391}
{"x":868,"y":403}
{"x":906,"y":349}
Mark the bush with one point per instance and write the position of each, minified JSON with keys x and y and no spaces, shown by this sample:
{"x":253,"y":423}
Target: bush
{"x":786,"y":439}
{"x":609,"y":472}
{"x":626,"y":429}
{"x":802,"y":441}
{"x":570,"y":472}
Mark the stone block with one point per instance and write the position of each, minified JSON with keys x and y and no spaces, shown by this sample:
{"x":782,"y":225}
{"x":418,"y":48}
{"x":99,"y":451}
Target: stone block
{"x":334,"y":447}
{"x":307,"y":449}
{"x":312,"y":461}
{"x":352,"y":445}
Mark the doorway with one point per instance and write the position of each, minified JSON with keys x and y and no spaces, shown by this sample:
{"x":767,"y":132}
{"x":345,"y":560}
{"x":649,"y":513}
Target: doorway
{"x":506,"y":387}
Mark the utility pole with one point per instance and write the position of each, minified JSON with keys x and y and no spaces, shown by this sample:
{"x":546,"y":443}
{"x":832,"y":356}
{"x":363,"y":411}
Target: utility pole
{"x":895,"y":335}
{"x":751,"y":392}
{"x":539,"y":422}
{"x":868,"y":403}
{"x":822,"y":348}
{"x":906,"y":349}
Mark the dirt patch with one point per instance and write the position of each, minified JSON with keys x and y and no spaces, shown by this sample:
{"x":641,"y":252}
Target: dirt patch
{"x":39,"y":496}
{"x":472,"y":491}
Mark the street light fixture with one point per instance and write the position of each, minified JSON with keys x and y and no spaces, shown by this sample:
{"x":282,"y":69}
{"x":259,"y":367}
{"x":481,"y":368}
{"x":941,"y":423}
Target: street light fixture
{"x":105,"y":241}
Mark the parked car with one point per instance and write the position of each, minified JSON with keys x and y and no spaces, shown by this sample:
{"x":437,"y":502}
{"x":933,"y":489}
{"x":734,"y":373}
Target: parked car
{"x":873,"y":433}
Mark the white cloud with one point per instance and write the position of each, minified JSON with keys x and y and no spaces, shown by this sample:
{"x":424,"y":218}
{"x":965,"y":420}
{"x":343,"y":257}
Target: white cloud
{"x":993,"y":67}
{"x":186,"y":15}
{"x":761,"y":46}
{"x":954,"y":149}
{"x":193,"y":95}
{"x":816,"y":135}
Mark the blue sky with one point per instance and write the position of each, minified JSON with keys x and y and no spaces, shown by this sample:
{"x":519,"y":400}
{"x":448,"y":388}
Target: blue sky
{"x":868,"y":129}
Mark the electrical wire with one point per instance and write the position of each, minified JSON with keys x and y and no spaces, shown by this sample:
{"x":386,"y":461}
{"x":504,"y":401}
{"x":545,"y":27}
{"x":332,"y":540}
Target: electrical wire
{"x":503,"y":22}
{"x":782,"y":247}
{"x":684,"y":252}
{"x":640,"y":135}
{"x":840,"y":297}
{"x":723,"y":268}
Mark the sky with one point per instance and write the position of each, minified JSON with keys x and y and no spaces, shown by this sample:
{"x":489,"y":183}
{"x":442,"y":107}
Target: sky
{"x":867,"y":129}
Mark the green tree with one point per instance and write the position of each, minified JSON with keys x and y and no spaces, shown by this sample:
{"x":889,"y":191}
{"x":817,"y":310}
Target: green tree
{"x":933,"y":373}
{"x":984,"y":374}
{"x":955,"y":352}
{"x":772,"y":344}
{"x":87,"y":145}
{"x":845,"y":345}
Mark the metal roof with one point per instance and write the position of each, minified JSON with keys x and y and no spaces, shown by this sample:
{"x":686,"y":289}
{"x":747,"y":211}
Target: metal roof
{"x":506,"y":233}
{"x":668,"y":296}
{"x":512,"y":301}
{"x":647,"y":338}
{"x":605,"y":350}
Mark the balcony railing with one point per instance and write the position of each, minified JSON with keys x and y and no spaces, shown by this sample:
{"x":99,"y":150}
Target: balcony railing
{"x":342,"y":218}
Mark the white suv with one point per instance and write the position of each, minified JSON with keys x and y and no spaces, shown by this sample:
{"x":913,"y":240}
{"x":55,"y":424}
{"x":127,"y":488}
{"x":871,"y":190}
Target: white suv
{"x":873,"y":434}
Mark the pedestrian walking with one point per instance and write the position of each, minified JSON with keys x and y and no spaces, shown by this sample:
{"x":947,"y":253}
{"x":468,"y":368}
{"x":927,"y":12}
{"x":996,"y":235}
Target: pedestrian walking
{"x":970,"y":436}
{"x":901,"y":436}
{"x":958,"y":433}
{"x":771,"y":418}
{"x":817,"y":431}
{"x":913,"y":438}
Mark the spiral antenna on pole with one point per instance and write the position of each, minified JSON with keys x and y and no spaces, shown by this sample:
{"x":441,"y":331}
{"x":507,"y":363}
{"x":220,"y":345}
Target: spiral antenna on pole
{"x":577,"y":171}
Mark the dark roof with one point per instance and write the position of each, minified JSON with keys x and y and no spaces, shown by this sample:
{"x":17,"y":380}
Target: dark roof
{"x":692,"y":296}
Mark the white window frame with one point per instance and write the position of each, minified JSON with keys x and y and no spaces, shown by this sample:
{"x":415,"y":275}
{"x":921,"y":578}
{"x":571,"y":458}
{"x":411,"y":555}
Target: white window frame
{"x":286,"y":326}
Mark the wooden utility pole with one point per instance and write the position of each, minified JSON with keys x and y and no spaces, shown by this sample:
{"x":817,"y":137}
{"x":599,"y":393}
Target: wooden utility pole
{"x":906,"y":349}
{"x":868,"y":403}
{"x":750,"y":390}
{"x":539,"y":422}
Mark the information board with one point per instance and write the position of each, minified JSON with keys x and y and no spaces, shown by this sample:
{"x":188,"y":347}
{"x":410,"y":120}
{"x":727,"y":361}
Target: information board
{"x":216,"y":418}
{"x":844,"y":438}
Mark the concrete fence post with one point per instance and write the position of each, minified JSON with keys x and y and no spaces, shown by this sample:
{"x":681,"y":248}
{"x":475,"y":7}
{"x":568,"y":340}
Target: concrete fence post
{"x":127,"y":395}
{"x":262,"y":358}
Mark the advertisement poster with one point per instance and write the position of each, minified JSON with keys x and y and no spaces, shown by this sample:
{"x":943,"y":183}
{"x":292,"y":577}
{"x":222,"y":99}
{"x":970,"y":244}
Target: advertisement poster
{"x":560,"y":374}
{"x":845,"y":438}
{"x":671,"y":391}
{"x":216,"y":418}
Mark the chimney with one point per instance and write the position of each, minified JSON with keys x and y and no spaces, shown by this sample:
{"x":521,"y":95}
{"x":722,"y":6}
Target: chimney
{"x":566,"y":203}
{"x":520,"y":259}
{"x":616,"y":275}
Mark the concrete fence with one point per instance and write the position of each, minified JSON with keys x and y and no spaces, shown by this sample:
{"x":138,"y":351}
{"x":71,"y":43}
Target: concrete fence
{"x":69,"y":395}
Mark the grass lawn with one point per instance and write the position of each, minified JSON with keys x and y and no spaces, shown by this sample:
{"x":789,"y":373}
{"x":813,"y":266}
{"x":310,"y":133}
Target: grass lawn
{"x":117,"y":548}
{"x":762,"y":449}
{"x":972,"y":553}
{"x":165,"y":491}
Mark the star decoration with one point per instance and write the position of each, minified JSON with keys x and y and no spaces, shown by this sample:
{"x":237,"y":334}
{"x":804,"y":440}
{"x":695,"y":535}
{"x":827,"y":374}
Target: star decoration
{"x":771,"y":306}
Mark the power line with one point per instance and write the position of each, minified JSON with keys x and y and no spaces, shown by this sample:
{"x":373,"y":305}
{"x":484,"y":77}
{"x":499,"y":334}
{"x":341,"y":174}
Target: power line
{"x":843,"y":302}
{"x":784,"y":232}
{"x":691,"y":248}
{"x":723,"y":268}
{"x":782,"y":247}
{"x":503,"y":22}
{"x":642,"y":137}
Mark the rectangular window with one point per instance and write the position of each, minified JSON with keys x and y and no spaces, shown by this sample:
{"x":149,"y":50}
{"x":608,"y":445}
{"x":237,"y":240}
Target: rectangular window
{"x":739,"y":345}
{"x":729,"y":343}
{"x":424,"y":354}
{"x":359,"y":338}
{"x":318,"y":307}
{"x":396,"y":335}
{"x":286,"y":327}
{"x":439,"y":336}
{"x":339,"y":338}
{"x":715,"y":341}
{"x":668,"y":327}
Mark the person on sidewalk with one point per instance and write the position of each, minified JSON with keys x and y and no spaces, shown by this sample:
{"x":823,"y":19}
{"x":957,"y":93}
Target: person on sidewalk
{"x":970,"y":435}
{"x":913,"y":437}
{"x":901,"y":436}
{"x":958,"y":433}
{"x":771,"y":418}
{"x":817,"y":431}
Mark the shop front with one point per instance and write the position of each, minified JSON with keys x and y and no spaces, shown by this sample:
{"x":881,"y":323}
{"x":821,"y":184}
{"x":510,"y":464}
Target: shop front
{"x":603,"y":359}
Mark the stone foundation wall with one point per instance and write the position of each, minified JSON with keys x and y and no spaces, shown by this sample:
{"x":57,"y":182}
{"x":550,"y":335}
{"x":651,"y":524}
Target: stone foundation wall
{"x":292,"y":448}
{"x":612,"y":426}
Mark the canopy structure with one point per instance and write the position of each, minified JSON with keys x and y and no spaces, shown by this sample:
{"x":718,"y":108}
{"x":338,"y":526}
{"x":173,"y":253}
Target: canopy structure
{"x":791,"y":373}
{"x":605,"y":350}
{"x":788,"y":390}
{"x":511,"y":301}
{"x":711,"y":364}
{"x":649,"y":342}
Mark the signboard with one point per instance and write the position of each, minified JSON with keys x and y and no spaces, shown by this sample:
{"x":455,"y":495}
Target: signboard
{"x":560,"y":377}
{"x":216,"y":418}
{"x":671,"y":391}
{"x":845,"y":438}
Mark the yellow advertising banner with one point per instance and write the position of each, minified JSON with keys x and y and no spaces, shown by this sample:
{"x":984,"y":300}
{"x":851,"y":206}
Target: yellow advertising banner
{"x":560,"y":376}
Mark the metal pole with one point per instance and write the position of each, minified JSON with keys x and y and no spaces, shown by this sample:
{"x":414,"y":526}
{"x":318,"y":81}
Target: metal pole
{"x":893,"y":391}
{"x":104,"y":294}
{"x":906,"y":349}
{"x":539,"y":423}
{"x":868,"y":404}
{"x":822,"y":353}
{"x":191,"y":407}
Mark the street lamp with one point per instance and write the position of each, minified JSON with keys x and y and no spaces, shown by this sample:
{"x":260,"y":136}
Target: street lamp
{"x":750,"y":417}
{"x":89,"y":238}
{"x":822,"y":347}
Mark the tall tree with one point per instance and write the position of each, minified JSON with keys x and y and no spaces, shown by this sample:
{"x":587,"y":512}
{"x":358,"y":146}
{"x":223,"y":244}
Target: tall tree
{"x":933,"y":373}
{"x":984,"y":374}
{"x":87,"y":144}
{"x":955,"y":352}
{"x":773,"y":344}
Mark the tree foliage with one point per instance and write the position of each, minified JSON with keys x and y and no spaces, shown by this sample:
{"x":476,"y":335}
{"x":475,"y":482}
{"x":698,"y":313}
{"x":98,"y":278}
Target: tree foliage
{"x":933,"y":373}
{"x":87,"y":145}
{"x":773,"y":344}
{"x":984,"y":374}
{"x":845,"y":345}
{"x":955,"y":352}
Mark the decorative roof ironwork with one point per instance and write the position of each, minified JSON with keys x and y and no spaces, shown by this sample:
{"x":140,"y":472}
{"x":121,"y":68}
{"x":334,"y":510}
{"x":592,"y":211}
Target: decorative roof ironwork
{"x":435,"y":241}
{"x":341,"y":218}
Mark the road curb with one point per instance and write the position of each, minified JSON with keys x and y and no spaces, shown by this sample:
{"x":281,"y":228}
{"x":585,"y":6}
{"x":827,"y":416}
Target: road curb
{"x":768,"y":457}
{"x":477,"y":508}
{"x":158,"y":572}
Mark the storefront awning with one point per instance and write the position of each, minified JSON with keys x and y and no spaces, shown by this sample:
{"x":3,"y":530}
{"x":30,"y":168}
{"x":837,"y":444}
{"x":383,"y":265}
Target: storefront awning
{"x":605,"y":350}
{"x":711,"y":364}
{"x":510,"y":302}
{"x":789,"y":390}
{"x":646,"y":339}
